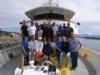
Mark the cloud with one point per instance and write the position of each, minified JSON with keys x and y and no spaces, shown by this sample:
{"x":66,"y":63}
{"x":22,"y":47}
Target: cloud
{"x":12,"y":11}
{"x":86,"y":10}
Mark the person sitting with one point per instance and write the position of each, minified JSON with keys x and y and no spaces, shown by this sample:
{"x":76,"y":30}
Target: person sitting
{"x":39,"y":44}
{"x":59,"y":49}
{"x":47,"y":50}
{"x":39,"y":48}
{"x":65,"y":49}
{"x":32,"y":46}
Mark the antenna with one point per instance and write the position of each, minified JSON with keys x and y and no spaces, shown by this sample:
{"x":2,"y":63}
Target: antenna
{"x":50,"y":2}
{"x":57,"y":2}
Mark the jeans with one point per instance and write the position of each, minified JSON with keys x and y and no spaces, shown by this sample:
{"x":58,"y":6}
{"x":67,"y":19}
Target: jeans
{"x":68,"y":59}
{"x":74,"y":59}
{"x":62,"y":58}
{"x":59,"y":57}
{"x":26,"y":58}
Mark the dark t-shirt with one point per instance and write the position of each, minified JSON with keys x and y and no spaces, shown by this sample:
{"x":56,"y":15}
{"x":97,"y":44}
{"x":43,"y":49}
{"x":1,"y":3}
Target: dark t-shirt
{"x":50,"y":32}
{"x":47,"y":49}
{"x":68,"y":31}
{"x":24,"y":30}
{"x":44,"y":28}
{"x":65,"y":47}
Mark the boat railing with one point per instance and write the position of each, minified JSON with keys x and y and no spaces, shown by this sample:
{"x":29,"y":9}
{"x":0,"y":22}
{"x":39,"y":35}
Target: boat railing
{"x":5,"y":54}
{"x":92,"y":57}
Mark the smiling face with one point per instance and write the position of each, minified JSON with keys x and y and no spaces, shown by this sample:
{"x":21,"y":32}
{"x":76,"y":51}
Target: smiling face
{"x":59,"y":39}
{"x":64,"y":39}
{"x":33,"y":38}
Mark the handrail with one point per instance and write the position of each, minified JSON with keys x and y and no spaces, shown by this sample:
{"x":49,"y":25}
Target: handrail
{"x":92,"y":57}
{"x":92,"y":50}
{"x":3,"y":50}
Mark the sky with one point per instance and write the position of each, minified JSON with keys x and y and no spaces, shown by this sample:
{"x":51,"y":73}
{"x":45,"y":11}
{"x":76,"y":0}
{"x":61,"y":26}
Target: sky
{"x":87,"y":12}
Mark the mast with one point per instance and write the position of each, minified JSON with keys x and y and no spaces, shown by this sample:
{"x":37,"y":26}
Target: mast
{"x":51,"y":3}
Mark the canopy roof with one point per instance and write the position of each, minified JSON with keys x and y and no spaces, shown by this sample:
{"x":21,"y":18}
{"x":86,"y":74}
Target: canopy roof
{"x":56,"y":13}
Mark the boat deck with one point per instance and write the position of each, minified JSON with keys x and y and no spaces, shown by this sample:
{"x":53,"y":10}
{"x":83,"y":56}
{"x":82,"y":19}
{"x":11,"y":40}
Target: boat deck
{"x":9,"y":68}
{"x":80,"y":70}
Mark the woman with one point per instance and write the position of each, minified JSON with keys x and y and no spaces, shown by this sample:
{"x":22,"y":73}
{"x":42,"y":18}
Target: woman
{"x":59,"y":49}
{"x":65,"y":49}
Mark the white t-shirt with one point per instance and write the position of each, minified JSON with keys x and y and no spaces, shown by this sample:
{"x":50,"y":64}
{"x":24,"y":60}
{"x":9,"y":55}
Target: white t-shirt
{"x":39,"y":46}
{"x":32,"y":45}
{"x":55,"y":29}
{"x":32,"y":30}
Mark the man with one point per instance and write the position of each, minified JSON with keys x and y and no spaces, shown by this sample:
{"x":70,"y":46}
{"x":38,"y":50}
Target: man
{"x":74,"y":49}
{"x":24,"y":31}
{"x":45,"y":30}
{"x":55,"y":29}
{"x":25,"y":51}
{"x":68,"y":31}
{"x":32,"y":29}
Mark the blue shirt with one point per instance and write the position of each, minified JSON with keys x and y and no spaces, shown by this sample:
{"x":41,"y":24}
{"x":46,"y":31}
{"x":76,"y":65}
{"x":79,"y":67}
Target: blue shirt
{"x":25,"y":45}
{"x":59,"y":45}
{"x":74,"y":45}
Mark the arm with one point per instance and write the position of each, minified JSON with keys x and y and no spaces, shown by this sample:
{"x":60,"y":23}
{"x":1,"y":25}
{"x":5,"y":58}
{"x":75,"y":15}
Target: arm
{"x":23,"y":50}
{"x":80,"y":44}
{"x":41,"y":46}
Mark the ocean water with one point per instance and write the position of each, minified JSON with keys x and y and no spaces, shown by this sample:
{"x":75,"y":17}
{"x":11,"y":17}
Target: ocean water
{"x":12,"y":29}
{"x":91,"y":44}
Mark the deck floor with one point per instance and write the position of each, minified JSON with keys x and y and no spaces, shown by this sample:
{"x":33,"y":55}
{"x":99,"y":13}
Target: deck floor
{"x":80,"y":70}
{"x":9,"y":68}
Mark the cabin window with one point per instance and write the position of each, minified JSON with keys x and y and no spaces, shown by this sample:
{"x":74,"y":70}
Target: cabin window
{"x":49,"y":16}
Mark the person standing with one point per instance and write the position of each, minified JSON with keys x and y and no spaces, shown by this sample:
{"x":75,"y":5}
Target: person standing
{"x":24,"y":31}
{"x":25,"y":51}
{"x":74,"y":50}
{"x":55,"y":29}
{"x":39,"y":32}
{"x":68,"y":31}
{"x":32,"y":29}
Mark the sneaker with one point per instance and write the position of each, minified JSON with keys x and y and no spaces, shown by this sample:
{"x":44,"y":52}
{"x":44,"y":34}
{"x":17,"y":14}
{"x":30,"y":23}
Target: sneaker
{"x":73,"y":68}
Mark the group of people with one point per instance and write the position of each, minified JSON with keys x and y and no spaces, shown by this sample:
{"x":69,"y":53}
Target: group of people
{"x":50,"y":40}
